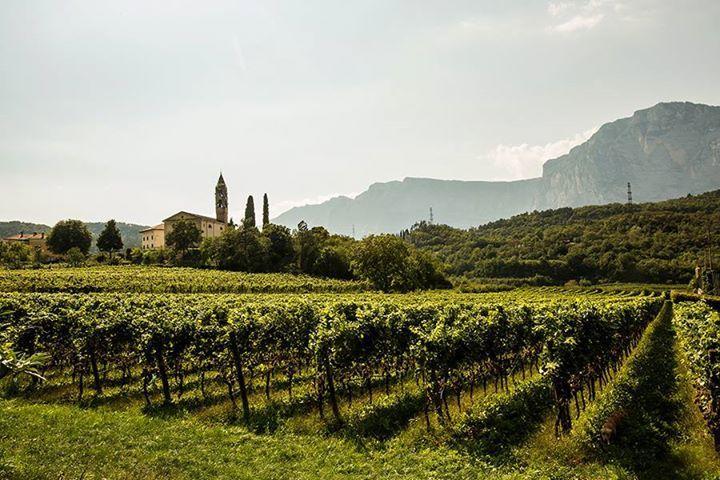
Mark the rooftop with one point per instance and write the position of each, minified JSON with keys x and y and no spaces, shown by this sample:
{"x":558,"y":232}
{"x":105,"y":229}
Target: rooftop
{"x":212,"y":219}
{"x":26,"y":236}
{"x":159,"y":226}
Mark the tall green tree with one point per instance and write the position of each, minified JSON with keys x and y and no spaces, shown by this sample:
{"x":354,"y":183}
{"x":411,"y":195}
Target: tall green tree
{"x":110,"y":240}
{"x":183,"y":236}
{"x":67,"y":234}
{"x":266,"y":211}
{"x":307,"y":248}
{"x":384,"y":261}
{"x":281,"y":251}
{"x":243,"y":249}
{"x":249,"y":220}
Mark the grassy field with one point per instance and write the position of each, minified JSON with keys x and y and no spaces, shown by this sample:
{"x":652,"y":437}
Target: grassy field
{"x":504,"y":431}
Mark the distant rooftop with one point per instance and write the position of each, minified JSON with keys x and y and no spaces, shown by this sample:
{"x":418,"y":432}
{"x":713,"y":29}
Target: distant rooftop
{"x":26,"y":236}
{"x":205,"y":217}
{"x":159,"y":226}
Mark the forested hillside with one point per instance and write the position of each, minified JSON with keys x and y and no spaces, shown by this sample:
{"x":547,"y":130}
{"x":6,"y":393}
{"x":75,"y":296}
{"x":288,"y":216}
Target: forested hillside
{"x":658,"y":242}
{"x":14,"y":227}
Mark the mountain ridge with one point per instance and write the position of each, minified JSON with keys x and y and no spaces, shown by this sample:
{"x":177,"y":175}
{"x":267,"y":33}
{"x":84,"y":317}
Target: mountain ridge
{"x":665,"y":151}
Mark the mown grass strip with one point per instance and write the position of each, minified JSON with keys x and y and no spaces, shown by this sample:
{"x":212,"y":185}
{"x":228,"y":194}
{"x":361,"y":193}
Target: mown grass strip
{"x":631,"y":422}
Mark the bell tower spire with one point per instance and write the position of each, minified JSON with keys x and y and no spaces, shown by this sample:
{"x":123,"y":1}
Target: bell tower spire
{"x":221,"y":200}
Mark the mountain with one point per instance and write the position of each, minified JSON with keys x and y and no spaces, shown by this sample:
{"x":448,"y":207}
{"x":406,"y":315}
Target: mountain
{"x":665,"y":151}
{"x":129,"y":232}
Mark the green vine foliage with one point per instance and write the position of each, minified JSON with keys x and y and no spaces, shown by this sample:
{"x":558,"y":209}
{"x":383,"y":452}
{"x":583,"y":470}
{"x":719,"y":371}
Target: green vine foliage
{"x":446,"y":342}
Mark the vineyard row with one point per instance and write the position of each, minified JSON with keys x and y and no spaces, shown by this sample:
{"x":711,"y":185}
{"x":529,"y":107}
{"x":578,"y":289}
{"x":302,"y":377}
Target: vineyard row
{"x":445,"y":346}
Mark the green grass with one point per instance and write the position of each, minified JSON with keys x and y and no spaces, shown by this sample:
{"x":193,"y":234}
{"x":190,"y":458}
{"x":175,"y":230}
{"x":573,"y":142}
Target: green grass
{"x":56,"y":441}
{"x":45,"y":434}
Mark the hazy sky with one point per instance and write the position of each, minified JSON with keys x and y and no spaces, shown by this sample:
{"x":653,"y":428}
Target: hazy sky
{"x":129,"y":109}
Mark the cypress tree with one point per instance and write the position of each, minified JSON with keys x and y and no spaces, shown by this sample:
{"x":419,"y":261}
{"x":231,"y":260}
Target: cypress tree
{"x":250,"y":213}
{"x":266,"y":210}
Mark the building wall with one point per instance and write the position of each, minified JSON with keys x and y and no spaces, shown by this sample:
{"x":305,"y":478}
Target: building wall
{"x":211,"y":229}
{"x":208,"y":228}
{"x":151,"y":239}
{"x":30,"y":242}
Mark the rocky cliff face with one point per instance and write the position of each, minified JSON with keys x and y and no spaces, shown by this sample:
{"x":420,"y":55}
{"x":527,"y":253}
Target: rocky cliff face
{"x":666,"y":151}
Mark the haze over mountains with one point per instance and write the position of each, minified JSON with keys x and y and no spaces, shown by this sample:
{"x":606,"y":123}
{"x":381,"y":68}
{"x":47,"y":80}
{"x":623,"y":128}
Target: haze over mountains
{"x":665,"y":151}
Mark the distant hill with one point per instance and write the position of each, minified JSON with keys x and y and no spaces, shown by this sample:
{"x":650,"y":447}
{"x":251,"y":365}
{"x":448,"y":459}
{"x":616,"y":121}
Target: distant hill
{"x":666,"y":151}
{"x":654,"y":242}
{"x":129,"y":232}
{"x":8,"y":229}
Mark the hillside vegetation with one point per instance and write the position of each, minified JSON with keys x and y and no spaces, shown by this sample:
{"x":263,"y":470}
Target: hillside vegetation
{"x":650,"y":242}
{"x":129,"y":232}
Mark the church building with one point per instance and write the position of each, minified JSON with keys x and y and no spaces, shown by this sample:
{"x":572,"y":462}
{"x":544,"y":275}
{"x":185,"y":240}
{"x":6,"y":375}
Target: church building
{"x":154,"y":237}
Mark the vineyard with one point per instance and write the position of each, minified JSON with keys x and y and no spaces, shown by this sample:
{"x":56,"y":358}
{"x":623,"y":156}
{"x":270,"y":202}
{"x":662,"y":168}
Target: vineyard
{"x":165,"y":280}
{"x":528,"y":383}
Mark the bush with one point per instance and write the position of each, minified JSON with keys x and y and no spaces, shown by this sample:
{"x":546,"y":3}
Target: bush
{"x":75,"y":257}
{"x":14,"y":255}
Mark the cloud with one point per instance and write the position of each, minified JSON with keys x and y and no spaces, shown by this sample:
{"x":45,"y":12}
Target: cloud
{"x":578,"y":22}
{"x":239,"y":54}
{"x":573,"y":16}
{"x":525,"y":161}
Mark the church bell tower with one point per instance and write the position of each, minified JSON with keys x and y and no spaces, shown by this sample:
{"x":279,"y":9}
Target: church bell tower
{"x":221,"y":200}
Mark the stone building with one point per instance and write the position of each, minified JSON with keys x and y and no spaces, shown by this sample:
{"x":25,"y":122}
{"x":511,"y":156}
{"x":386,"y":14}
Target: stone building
{"x":30,"y":239}
{"x":154,"y":237}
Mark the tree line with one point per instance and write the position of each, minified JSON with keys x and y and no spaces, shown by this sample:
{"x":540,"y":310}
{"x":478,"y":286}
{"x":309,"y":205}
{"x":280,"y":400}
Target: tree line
{"x":387,"y":261}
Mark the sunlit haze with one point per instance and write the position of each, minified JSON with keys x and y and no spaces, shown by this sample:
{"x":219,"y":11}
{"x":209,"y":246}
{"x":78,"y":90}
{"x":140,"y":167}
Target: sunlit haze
{"x":130,"y":109}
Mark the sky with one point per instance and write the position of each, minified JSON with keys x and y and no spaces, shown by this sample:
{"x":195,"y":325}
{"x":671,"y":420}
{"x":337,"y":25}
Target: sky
{"x":130,"y":109}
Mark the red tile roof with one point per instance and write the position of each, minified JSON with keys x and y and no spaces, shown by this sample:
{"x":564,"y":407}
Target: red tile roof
{"x":27,"y":236}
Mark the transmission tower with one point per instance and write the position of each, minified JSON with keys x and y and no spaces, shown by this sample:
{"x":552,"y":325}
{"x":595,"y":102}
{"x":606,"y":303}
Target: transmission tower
{"x":629,"y":201}
{"x":431,"y":216}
